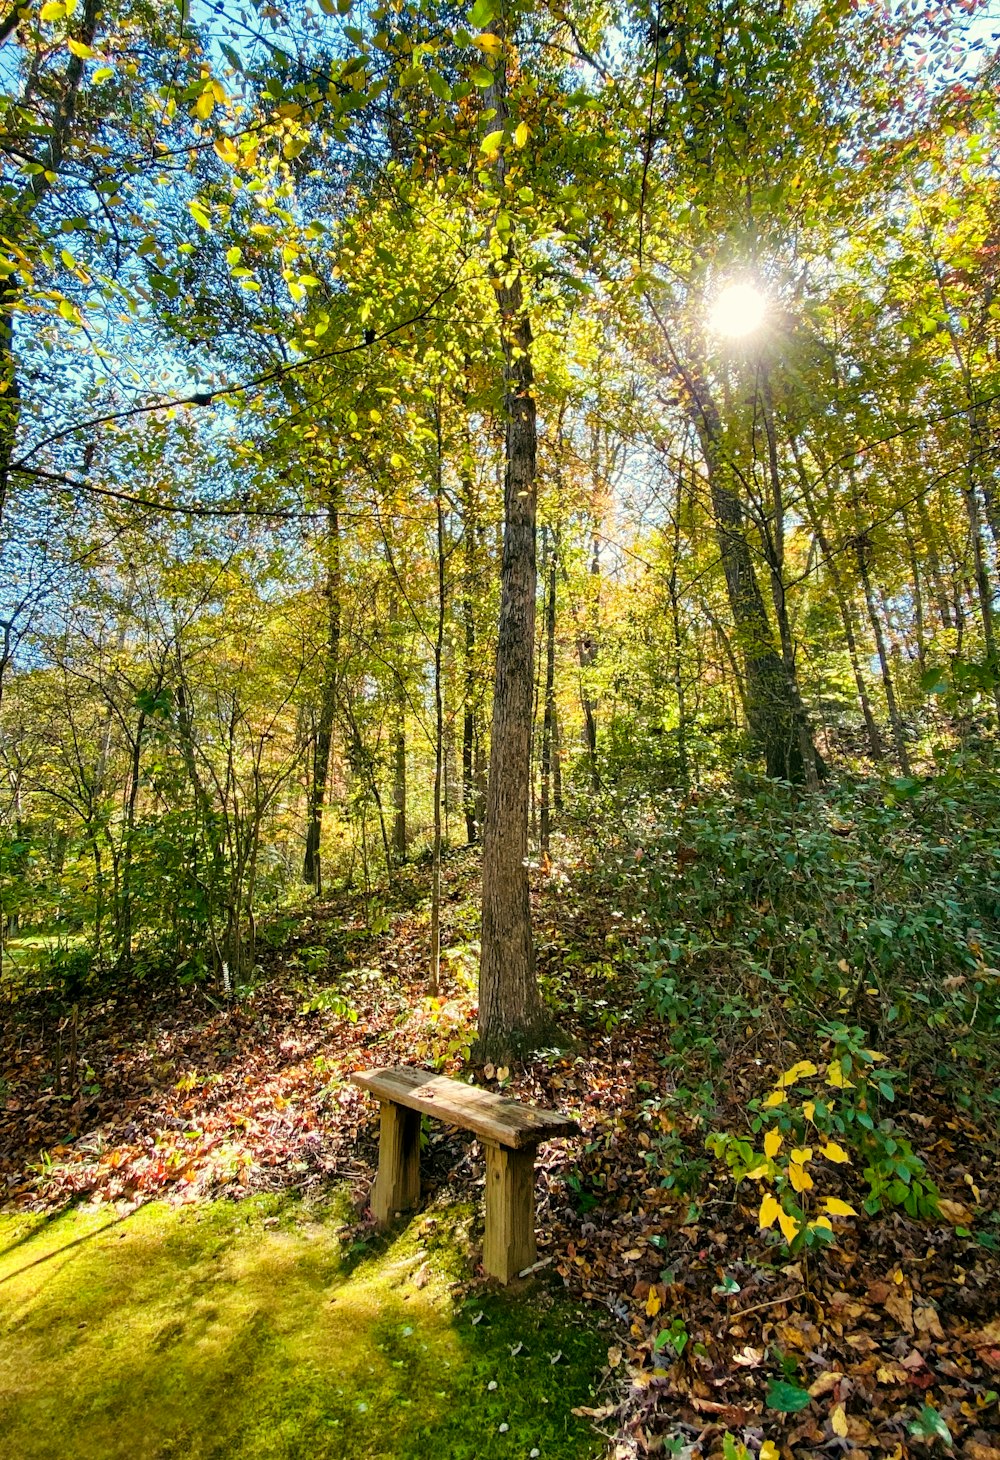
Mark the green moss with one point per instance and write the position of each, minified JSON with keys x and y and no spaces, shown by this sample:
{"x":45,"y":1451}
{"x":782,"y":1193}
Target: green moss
{"x":205,"y":1334}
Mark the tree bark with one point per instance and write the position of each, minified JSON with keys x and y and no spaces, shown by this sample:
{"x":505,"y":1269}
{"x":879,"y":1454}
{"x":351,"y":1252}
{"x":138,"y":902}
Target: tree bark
{"x":774,"y":723}
{"x":312,"y":865}
{"x":511,"y":1014}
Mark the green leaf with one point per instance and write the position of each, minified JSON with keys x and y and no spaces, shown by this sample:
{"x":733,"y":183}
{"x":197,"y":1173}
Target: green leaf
{"x":929,"y":1426}
{"x":481,"y":14}
{"x":199,"y":213}
{"x":482,"y":76}
{"x":787,"y":1398}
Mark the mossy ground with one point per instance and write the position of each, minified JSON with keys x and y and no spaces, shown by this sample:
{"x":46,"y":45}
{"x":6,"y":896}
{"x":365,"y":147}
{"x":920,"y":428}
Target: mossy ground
{"x":244,"y":1331}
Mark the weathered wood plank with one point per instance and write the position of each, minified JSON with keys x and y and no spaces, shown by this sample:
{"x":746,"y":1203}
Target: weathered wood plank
{"x":397,"y":1184}
{"x":509,"y":1239}
{"x":492,"y":1117}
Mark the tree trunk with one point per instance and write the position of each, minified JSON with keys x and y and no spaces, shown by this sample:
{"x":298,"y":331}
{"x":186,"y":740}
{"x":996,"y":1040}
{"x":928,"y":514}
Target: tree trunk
{"x":771,"y":711}
{"x":550,"y":560}
{"x":435,"y":977}
{"x":312,"y":865}
{"x":511,"y":1014}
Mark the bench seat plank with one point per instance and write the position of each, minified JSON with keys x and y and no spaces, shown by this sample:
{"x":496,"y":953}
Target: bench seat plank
{"x":491,"y":1117}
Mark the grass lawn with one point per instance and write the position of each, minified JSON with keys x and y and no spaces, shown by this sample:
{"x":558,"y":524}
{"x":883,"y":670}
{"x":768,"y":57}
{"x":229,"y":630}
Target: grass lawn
{"x":243,"y":1330}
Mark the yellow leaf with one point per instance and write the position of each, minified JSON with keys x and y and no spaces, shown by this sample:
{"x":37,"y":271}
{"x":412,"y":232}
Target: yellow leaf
{"x":769,"y":1210}
{"x":809,"y":1109}
{"x":769,"y":1451}
{"x":79,"y":49}
{"x":772,"y":1143}
{"x":838,"y":1420}
{"x":802,"y":1154}
{"x":799,"y":1177}
{"x":54,"y":10}
{"x":838,"y":1208}
{"x":652,"y":1303}
{"x":823,"y":1222}
{"x":758,"y":1173}
{"x":789,"y":1226}
{"x":226,"y":148}
{"x":776,"y":1097}
{"x":833,"y":1152}
{"x":521,"y":134}
{"x":799,"y":1071}
{"x":490,"y":45}
{"x":873,"y":1054}
{"x":205,"y":105}
{"x":835,"y":1076}
{"x":491,"y":142}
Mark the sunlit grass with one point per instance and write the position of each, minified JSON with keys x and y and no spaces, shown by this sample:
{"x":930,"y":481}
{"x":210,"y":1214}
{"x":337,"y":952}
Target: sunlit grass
{"x":203,"y":1332}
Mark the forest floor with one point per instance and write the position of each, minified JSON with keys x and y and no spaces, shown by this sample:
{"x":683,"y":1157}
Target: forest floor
{"x":689,"y":1331}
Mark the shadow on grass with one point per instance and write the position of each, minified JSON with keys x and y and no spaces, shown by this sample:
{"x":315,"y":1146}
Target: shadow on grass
{"x":203,"y":1333}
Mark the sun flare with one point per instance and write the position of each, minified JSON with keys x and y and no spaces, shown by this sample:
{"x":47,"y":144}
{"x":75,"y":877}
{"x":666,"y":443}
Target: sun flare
{"x":738,"y":311}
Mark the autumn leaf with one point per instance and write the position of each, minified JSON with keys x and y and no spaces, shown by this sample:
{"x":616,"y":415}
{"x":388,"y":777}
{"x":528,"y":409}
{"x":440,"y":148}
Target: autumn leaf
{"x":769,"y":1210}
{"x":790,"y":1226}
{"x":833,"y":1152}
{"x":838,"y":1208}
{"x":838,"y":1421}
{"x":799,"y":1177}
{"x":772,"y":1143}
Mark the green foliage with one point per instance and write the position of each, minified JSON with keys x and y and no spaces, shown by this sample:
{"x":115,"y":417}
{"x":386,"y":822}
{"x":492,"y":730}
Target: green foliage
{"x":876,"y":896}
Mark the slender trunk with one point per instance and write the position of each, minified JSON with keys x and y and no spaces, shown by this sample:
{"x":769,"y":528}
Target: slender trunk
{"x":773,"y":719}
{"x":550,"y":561}
{"x":895,"y":719}
{"x":511,"y":1014}
{"x":435,"y":977}
{"x":984,"y":591}
{"x":398,"y":744}
{"x":470,"y":794}
{"x":312,"y":865}
{"x":845,"y":606}
{"x":774,"y":548}
{"x":399,"y":782}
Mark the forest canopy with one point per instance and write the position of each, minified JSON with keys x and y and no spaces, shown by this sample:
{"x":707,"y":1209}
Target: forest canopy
{"x":423,"y":427}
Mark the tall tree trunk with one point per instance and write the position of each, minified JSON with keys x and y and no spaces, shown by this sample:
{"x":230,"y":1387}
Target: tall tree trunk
{"x":895,"y":719}
{"x":550,"y":562}
{"x":844,"y":604}
{"x":470,"y":791}
{"x":511,"y":1014}
{"x":773,"y":538}
{"x":312,"y":865}
{"x":435,"y":977}
{"x":774,"y":722}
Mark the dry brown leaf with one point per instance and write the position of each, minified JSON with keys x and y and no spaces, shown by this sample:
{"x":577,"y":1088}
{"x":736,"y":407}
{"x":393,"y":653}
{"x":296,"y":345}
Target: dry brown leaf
{"x":825,"y":1384}
{"x":899,"y":1305}
{"x":927,"y":1321}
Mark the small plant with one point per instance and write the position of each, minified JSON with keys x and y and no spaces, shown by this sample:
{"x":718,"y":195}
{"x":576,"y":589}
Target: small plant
{"x":675,"y":1336}
{"x":329,"y":1001}
{"x":827,"y":1115}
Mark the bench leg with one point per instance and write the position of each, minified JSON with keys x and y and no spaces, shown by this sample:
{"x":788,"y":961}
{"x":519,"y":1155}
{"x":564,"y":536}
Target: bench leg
{"x":397,"y":1185}
{"x":509,"y":1243}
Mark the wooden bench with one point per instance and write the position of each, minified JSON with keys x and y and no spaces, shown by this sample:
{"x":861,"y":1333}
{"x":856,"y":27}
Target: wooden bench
{"x":509,"y":1132}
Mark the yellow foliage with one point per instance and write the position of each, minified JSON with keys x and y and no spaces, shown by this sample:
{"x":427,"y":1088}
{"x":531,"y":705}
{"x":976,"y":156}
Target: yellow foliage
{"x":769,"y":1210}
{"x":789,"y":1226}
{"x":838,"y":1208}
{"x":799,"y":1177}
{"x":836,"y":1153}
{"x":772,"y":1144}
